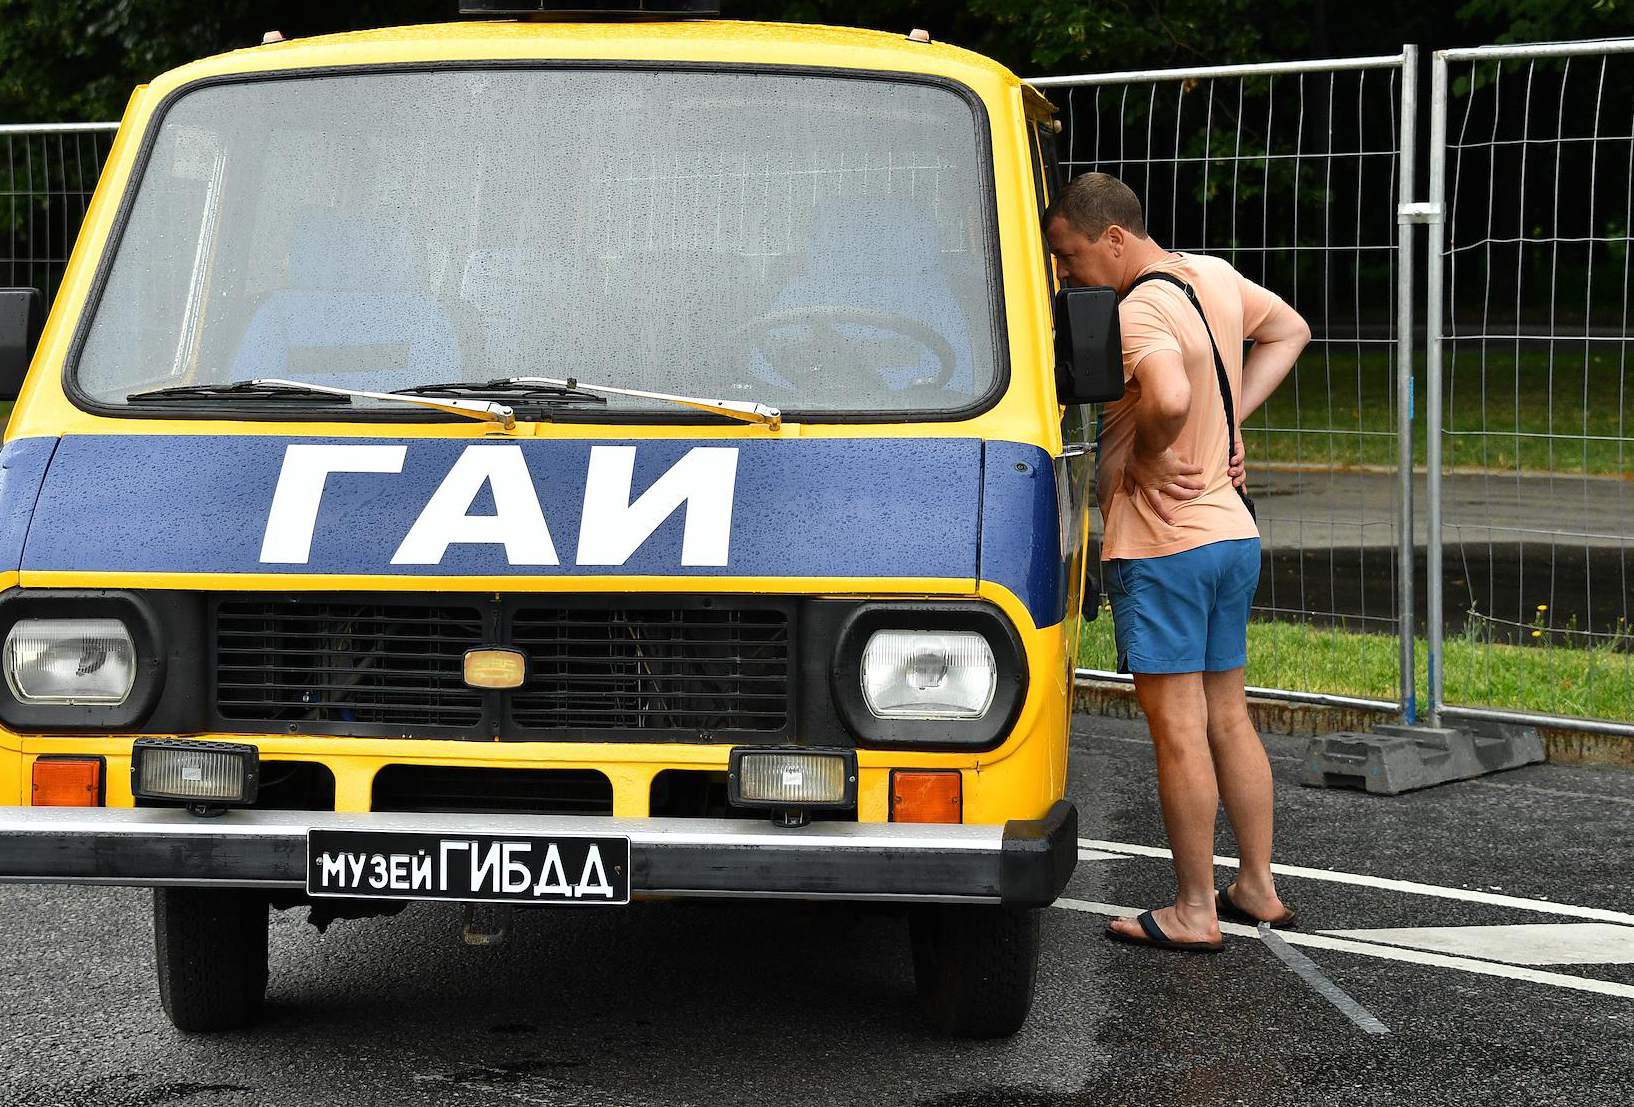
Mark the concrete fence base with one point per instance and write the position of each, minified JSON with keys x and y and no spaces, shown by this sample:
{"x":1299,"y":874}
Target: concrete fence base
{"x":1302,"y":720}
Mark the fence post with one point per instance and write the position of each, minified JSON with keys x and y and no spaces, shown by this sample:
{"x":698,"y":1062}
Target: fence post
{"x":1435,"y":264}
{"x":1405,"y":548}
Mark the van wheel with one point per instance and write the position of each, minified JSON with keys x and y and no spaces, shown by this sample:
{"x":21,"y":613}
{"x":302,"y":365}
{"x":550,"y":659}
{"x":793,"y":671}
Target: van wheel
{"x":212,"y":956}
{"x":974,"y":967}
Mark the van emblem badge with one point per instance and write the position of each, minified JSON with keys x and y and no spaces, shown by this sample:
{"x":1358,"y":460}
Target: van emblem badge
{"x":495,"y":667}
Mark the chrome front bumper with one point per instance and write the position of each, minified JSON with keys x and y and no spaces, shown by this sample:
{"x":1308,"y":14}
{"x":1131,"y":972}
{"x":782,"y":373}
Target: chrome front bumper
{"x":1025,"y":863}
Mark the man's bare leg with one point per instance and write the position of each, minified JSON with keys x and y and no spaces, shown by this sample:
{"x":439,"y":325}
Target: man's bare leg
{"x":1244,"y":776}
{"x":1176,"y":712}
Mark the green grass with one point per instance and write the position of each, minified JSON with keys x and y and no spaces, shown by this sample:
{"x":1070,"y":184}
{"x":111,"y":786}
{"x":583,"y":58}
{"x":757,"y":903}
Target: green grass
{"x":1335,"y":410}
{"x":1551,"y":678}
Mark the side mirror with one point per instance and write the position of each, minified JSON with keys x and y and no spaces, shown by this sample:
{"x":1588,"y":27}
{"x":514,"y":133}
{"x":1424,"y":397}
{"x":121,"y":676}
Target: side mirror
{"x":22,"y":313}
{"x":1088,"y":346}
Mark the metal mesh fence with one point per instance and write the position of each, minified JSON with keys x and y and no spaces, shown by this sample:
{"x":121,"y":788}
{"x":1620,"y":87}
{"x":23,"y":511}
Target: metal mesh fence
{"x":1536,"y":505}
{"x":47,"y":175}
{"x":1293,"y":174}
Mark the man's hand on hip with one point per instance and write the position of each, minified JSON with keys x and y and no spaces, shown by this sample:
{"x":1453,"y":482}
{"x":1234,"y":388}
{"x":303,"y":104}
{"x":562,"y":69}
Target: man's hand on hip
{"x":1160,"y":475}
{"x":1236,"y":470}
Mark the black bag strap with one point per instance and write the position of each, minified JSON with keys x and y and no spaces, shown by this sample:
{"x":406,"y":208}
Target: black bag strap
{"x":1219,"y":362}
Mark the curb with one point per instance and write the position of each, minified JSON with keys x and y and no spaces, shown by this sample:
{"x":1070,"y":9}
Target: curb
{"x":1305,"y":720}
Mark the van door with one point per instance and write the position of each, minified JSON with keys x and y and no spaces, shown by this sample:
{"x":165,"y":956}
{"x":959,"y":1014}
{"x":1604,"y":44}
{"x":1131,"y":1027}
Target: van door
{"x":1075,"y":467}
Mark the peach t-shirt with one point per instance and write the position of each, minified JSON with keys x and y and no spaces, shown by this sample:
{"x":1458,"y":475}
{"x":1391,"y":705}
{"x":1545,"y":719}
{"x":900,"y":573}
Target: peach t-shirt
{"x":1158,"y":316}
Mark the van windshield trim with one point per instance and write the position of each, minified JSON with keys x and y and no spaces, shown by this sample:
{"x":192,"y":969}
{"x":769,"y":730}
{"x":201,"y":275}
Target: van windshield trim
{"x":985,"y":181}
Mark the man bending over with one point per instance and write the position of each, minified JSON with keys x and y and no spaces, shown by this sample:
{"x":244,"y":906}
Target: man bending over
{"x":1181,"y":551}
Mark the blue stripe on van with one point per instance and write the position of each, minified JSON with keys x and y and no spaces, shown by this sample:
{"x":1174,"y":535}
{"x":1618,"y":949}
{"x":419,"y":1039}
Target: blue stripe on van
{"x":858,"y":508}
{"x":23,"y":463}
{"x":1021,"y":529}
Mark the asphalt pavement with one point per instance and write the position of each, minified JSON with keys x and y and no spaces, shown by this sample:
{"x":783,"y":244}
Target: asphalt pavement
{"x":1326,"y":507}
{"x":1410,"y":905}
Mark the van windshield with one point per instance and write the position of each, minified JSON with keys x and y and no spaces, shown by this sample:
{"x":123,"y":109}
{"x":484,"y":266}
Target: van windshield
{"x":817,"y":243}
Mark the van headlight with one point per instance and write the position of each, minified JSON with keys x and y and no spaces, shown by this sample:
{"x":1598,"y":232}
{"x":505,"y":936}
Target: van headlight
{"x":928,"y":675}
{"x":70,"y":661}
{"x":921,"y":674}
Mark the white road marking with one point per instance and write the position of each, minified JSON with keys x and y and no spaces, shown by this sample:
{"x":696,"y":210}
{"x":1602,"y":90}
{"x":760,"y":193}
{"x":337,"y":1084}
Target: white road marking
{"x":1392,"y":953}
{"x":1100,"y":855}
{"x":1307,"y":971}
{"x":1334,"y":876}
{"x":1529,"y":944}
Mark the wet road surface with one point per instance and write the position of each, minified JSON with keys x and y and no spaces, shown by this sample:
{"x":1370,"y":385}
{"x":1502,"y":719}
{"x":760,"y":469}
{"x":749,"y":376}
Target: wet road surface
{"x":746,"y":1004}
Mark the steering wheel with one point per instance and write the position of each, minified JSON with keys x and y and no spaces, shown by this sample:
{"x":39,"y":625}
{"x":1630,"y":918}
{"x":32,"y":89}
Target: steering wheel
{"x":824,"y":321}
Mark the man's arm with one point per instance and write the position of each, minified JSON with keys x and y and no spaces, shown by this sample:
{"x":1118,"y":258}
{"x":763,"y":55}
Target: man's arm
{"x":1277,"y":344}
{"x":1153,"y":469}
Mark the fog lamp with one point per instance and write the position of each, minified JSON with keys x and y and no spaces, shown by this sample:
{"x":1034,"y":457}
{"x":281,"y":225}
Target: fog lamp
{"x":792,"y":779}
{"x":207,"y":776}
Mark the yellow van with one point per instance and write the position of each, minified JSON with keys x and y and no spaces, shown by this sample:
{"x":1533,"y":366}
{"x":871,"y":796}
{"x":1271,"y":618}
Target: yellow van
{"x":555,"y":461}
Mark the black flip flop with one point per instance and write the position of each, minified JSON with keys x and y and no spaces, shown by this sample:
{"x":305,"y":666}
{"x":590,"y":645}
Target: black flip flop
{"x":1159,"y":940}
{"x":1226,"y":909}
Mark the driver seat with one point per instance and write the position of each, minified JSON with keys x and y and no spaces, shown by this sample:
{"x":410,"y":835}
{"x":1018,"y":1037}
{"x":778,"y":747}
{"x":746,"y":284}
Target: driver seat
{"x":354,"y":315}
{"x":880,"y":254}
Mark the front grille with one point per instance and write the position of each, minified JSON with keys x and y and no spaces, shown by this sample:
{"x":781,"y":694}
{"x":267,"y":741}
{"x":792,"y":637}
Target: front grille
{"x":698,"y":670}
{"x":597,"y":669}
{"x":337,"y":663}
{"x":492,"y":791}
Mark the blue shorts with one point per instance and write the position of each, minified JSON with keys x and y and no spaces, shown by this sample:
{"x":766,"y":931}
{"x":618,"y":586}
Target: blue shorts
{"x":1187,"y":612}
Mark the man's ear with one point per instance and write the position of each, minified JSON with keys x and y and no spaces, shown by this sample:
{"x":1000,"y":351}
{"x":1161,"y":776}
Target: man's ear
{"x":1114,"y":239}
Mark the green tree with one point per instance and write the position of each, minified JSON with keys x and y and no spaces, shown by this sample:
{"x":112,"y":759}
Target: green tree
{"x":1550,"y":20}
{"x":79,"y":59}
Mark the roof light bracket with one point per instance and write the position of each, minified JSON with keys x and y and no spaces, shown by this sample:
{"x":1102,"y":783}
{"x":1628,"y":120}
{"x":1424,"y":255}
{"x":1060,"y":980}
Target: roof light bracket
{"x":588,"y":10}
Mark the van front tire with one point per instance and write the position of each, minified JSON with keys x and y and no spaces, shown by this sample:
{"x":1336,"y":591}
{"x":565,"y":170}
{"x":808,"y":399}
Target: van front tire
{"x":211,"y":947}
{"x":974,"y":968}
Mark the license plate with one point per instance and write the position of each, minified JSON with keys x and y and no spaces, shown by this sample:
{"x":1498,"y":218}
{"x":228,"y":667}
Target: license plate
{"x":482,"y":868}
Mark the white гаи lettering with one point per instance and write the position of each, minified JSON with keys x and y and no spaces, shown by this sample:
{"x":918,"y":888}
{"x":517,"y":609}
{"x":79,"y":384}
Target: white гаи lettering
{"x":516,"y":873}
{"x":332,"y":868}
{"x":592,"y":863}
{"x":377,"y":871}
{"x":611,"y":528}
{"x":294,"y":512}
{"x":420,"y":875}
{"x":518,"y":522}
{"x":552,"y":868}
{"x":481,"y":866}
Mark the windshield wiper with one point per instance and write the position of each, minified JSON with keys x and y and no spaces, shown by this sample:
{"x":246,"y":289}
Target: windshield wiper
{"x":239,"y":390}
{"x":274,"y":388}
{"x":769,"y":417}
{"x":516,"y":391}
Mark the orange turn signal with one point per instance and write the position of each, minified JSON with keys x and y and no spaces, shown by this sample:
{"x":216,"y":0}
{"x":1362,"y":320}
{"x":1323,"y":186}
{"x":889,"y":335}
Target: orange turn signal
{"x":67,"y":782}
{"x":927,"y":797}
